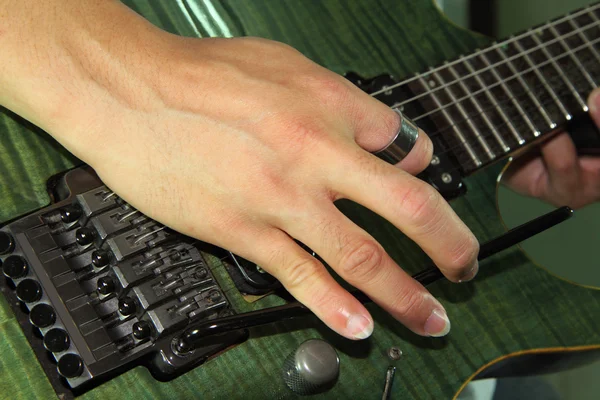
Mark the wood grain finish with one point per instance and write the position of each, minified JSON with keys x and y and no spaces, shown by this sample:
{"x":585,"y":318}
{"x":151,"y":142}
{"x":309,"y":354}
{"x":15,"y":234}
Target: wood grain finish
{"x":513,"y":306}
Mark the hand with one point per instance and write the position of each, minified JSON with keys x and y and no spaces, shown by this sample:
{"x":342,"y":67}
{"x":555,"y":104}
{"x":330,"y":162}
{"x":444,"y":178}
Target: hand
{"x":558,"y":175}
{"x":246,"y":144}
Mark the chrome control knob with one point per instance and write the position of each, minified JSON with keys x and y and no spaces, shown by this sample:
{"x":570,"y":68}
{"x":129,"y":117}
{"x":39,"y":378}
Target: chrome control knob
{"x":312,"y":368}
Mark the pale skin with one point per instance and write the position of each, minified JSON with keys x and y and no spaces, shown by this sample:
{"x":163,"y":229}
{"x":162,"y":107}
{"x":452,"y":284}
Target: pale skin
{"x":246,"y":144}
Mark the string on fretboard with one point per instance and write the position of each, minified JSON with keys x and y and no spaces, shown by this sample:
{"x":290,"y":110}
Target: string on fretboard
{"x":581,"y":85}
{"x":498,"y":99}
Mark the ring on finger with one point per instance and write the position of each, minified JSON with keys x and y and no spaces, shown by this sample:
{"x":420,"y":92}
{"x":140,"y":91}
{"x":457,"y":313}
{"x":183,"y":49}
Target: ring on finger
{"x":402,"y":143}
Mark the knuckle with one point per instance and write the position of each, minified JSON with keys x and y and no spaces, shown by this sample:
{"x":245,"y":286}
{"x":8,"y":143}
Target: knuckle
{"x":422,"y":204}
{"x":407,"y":302}
{"x":272,"y":179}
{"x":565,"y":166}
{"x":301,"y":273}
{"x":363,"y":261}
{"x":536,"y":188}
{"x":301,"y":132}
{"x":330,"y":89}
{"x":465,"y":253}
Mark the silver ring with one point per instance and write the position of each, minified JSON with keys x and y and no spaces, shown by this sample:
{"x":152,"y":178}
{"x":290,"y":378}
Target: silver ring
{"x":402,"y":143}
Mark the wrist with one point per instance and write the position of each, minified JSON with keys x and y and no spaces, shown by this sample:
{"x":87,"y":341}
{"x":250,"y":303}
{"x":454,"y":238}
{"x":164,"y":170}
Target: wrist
{"x":62,"y":58}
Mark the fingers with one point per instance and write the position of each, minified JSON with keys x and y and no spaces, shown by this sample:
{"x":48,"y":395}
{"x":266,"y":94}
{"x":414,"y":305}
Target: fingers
{"x":310,"y":283}
{"x":559,"y":177}
{"x":376,"y":125}
{"x":562,"y":164}
{"x":363,"y":263}
{"x":555,"y":176}
{"x":413,"y":207}
{"x":527,"y":176}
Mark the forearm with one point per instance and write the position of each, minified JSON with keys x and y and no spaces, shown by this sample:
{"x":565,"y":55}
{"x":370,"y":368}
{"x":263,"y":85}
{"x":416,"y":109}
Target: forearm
{"x":60,"y":57}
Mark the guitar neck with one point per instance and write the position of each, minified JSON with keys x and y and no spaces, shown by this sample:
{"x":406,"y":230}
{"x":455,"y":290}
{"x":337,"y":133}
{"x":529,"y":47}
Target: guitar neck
{"x":499,"y":99}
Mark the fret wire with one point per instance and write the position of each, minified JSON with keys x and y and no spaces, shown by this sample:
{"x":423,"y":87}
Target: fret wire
{"x":527,"y":109}
{"x":521,"y":81}
{"x":510,"y":98}
{"x":583,"y":36}
{"x":419,"y":76}
{"x":458,"y":133}
{"x":492,"y":98}
{"x":560,"y":71}
{"x":507,"y":91}
{"x":543,"y":80}
{"x":469,"y":121}
{"x":455,"y":147}
{"x":585,"y":72}
{"x":520,"y":94}
{"x":578,"y":48}
{"x":496,"y":45}
{"x":484,"y":116}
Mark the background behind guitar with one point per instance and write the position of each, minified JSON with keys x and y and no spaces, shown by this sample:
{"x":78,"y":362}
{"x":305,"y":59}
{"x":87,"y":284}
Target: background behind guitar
{"x":568,"y":250}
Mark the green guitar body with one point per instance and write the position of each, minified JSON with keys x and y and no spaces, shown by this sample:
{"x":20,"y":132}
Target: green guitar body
{"x":513,"y":307}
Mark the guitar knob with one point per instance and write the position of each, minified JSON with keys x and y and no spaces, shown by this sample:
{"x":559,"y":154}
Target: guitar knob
{"x":7,"y":243}
{"x":42,"y":316}
{"x":56,"y":340}
{"x":15,"y":267}
{"x":70,"y":365}
{"x":29,"y":291}
{"x":312,"y":368}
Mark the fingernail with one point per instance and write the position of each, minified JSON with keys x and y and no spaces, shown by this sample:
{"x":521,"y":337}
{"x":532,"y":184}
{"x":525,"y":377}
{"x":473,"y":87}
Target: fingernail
{"x":472,"y":273}
{"x":593,"y":101}
{"x":437,"y":324}
{"x":359,"y":326}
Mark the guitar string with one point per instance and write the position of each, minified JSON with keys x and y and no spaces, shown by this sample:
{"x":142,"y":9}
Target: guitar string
{"x":527,"y":109}
{"x":222,"y":260}
{"x":506,"y":61}
{"x":448,"y":84}
{"x":495,"y":46}
{"x":548,"y":62}
{"x":497,"y":157}
{"x":214,"y":268}
{"x":517,"y":95}
{"x":220,"y":264}
{"x":508,"y":99}
{"x":573,"y":52}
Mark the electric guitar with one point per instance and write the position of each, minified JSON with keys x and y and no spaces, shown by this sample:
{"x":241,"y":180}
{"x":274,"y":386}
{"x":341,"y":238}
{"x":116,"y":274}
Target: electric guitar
{"x":481,"y":103}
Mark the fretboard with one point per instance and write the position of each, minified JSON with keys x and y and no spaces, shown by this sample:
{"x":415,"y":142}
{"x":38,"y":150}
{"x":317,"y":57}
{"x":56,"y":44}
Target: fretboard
{"x":497,"y":100}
